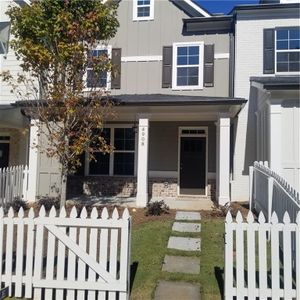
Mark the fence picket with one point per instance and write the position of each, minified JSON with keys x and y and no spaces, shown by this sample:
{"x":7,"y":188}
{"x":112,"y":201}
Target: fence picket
{"x":50,"y":256}
{"x":287,"y":257}
{"x":239,"y":256}
{"x":19,"y":256}
{"x":61,"y":253}
{"x":228,"y":257}
{"x":93,"y":252}
{"x":29,"y":253}
{"x":1,"y":240}
{"x":9,"y":250}
{"x":298,"y":256}
{"x":275,"y":267}
{"x":103,"y":250}
{"x":251,"y":279}
{"x":39,"y":251}
{"x":82,"y":245}
{"x":71,"y":256}
{"x":113,"y":256}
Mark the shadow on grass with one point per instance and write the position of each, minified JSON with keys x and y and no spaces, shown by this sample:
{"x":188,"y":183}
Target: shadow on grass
{"x":219,"y":277}
{"x":133,"y":270}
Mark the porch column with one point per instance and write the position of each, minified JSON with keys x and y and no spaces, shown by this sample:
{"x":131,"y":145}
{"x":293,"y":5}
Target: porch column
{"x":223,"y":159}
{"x":276,"y":137}
{"x":33,"y":161}
{"x":142,"y":170}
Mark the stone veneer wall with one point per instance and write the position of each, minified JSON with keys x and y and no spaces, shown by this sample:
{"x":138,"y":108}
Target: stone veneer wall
{"x":126,"y":186}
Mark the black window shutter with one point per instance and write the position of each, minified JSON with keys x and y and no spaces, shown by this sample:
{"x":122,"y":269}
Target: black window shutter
{"x":116,"y":71}
{"x":209,"y":58}
{"x":167,"y":66}
{"x":269,"y":51}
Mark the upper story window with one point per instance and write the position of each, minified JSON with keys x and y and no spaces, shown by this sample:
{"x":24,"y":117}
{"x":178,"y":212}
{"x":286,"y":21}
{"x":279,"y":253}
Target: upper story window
{"x":187,"y":66}
{"x":287,"y":50}
{"x":143,"y":10}
{"x":98,"y":80}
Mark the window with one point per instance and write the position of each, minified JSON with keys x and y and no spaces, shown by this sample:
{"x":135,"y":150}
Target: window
{"x":122,"y":160}
{"x":101,"y":80}
{"x":187,"y":66}
{"x":143,"y":10}
{"x":287,"y":50}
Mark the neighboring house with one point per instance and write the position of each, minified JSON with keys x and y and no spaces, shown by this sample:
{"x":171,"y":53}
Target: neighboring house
{"x":267,"y":59}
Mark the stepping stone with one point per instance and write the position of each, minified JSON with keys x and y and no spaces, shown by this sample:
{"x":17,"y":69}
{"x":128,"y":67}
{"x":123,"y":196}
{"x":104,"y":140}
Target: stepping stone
{"x":181,"y":264}
{"x":184,"y":243}
{"x":186,"y":227}
{"x":177,"y":290}
{"x":188,"y":216}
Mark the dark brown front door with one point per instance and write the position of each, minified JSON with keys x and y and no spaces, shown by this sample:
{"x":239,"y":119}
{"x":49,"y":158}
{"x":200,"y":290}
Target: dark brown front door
{"x":192,"y":165}
{"x":4,"y":155}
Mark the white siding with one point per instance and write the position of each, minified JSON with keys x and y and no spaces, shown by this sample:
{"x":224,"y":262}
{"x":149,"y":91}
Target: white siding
{"x":249,"y":62}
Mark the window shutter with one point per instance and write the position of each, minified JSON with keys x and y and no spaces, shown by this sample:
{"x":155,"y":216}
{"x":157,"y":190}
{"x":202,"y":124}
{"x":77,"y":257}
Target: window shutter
{"x":167,"y":67}
{"x":116,"y":73}
{"x":209,"y":57}
{"x":269,"y":51}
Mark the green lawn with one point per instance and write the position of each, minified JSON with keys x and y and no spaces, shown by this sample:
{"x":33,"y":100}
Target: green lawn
{"x":149,"y":246}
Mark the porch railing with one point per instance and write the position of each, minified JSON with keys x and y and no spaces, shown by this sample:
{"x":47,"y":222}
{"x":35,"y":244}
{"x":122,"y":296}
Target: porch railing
{"x":13,"y":184}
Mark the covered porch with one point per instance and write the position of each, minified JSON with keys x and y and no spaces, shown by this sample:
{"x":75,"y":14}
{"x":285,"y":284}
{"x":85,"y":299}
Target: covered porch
{"x":175,"y":148}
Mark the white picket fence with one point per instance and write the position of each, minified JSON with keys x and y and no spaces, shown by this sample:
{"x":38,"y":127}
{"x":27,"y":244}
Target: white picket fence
{"x":270,"y":193}
{"x":13,"y":184}
{"x":253,"y":263}
{"x":65,"y":257}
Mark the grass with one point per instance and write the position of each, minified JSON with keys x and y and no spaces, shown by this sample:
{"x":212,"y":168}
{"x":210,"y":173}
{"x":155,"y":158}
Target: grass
{"x":149,"y":246}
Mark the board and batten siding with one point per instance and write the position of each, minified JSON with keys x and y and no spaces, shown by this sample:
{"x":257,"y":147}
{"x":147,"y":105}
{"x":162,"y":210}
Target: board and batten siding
{"x":249,"y":62}
{"x":147,"y":38}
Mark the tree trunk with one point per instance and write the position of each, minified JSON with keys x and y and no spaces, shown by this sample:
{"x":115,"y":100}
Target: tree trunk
{"x":63,"y":193}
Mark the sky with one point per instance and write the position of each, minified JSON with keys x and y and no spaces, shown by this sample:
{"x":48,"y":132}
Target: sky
{"x":222,"y":6}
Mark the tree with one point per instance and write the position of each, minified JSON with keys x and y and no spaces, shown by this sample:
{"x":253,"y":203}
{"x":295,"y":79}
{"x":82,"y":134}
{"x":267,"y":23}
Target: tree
{"x":54,"y":40}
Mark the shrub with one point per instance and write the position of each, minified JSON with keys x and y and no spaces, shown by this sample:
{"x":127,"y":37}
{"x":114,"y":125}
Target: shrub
{"x":156,"y":208}
{"x":48,"y":202}
{"x":17,"y":203}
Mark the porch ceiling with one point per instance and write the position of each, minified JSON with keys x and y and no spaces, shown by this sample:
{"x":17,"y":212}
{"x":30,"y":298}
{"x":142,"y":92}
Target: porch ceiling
{"x":175,"y":107}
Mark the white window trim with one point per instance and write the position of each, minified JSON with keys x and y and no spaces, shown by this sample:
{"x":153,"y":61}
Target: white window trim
{"x":112,"y":128}
{"x":108,"y":84}
{"x":135,"y":10}
{"x":201,"y":62}
{"x":282,"y":51}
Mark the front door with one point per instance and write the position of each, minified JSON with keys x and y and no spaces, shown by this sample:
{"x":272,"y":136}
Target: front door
{"x":4,"y":155}
{"x":192,"y":165}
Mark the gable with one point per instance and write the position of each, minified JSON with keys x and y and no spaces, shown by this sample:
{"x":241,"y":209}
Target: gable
{"x":190,"y":8}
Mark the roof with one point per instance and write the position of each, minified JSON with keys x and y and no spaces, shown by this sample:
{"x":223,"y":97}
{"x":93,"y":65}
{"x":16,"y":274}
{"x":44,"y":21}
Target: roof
{"x":219,"y":23}
{"x":179,"y":100}
{"x":263,"y":7}
{"x":278,"y":82}
{"x":191,"y":8}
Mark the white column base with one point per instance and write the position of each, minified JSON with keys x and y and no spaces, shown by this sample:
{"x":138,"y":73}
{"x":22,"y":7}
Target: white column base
{"x":142,"y":200}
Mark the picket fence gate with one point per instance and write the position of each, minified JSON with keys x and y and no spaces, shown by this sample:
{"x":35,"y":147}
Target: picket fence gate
{"x":65,"y":257}
{"x":13,"y":184}
{"x":254,"y":263}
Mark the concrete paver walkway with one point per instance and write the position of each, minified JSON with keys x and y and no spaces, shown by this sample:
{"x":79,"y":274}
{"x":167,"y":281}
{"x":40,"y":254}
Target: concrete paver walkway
{"x":181,"y":264}
{"x":188,"y":216}
{"x":184,"y":243}
{"x":172,"y":290}
{"x":186,"y":227}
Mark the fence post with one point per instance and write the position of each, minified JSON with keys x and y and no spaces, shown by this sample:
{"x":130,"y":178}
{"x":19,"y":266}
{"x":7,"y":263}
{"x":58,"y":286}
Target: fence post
{"x":270,"y":197}
{"x":25,"y":183}
{"x":250,"y":187}
{"x":298,"y":256}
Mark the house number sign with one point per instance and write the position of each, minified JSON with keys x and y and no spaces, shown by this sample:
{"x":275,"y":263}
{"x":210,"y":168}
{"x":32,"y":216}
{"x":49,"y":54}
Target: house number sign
{"x":143,"y":136}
